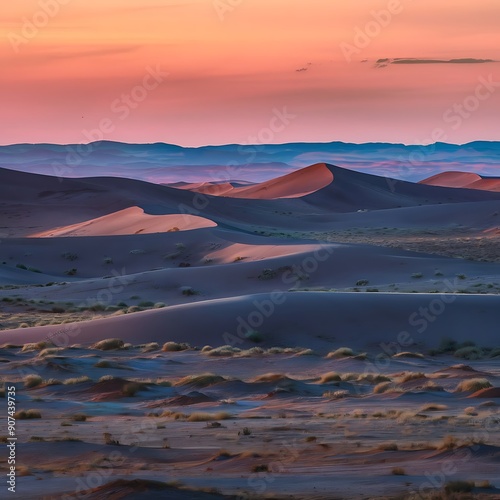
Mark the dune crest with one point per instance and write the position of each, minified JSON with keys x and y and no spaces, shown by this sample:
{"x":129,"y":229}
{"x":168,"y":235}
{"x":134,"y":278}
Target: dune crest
{"x":294,"y":185}
{"x":131,"y":220}
{"x":465,"y":180}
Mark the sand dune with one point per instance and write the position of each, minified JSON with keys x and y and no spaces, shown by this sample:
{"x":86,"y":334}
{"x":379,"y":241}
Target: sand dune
{"x":463,"y":180}
{"x":131,"y":220}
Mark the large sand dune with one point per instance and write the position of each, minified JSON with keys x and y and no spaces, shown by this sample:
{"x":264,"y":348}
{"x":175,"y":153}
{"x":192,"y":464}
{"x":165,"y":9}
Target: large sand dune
{"x":463,"y":180}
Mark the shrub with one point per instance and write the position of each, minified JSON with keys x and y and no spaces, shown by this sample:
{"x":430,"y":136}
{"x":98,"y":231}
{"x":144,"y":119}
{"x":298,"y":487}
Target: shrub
{"x":473,"y":385}
{"x":225,"y":350}
{"x":203,"y":380}
{"x":407,"y":354}
{"x":330,"y":377}
{"x":108,"y":344}
{"x":260,"y":468}
{"x":103,"y":363}
{"x":27,"y":414}
{"x":31,"y":381}
{"x":383,"y":387}
{"x":175,"y":347}
{"x":36,"y":346}
{"x":79,"y":417}
{"x":146,"y":304}
{"x":434,"y":407}
{"x":398,"y":471}
{"x":417,"y":275}
{"x":77,"y":380}
{"x":342,"y":352}
{"x":469,"y":353}
{"x":151,"y":346}
{"x":336,"y":394}
{"x":408,"y":376}
{"x":447,"y":345}
{"x":131,"y":388}
{"x":388,"y":447}
{"x":449,"y":443}
{"x":362,"y":282}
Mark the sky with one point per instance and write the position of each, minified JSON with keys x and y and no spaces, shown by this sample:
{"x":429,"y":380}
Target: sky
{"x":199,"y":72}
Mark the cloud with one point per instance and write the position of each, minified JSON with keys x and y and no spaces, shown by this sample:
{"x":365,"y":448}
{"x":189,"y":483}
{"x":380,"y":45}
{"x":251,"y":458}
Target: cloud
{"x":304,"y":68}
{"x":383,"y":63}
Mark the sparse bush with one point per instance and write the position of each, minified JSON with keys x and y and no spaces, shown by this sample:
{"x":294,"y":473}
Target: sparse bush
{"x":146,"y":303}
{"x":469,"y":353}
{"x":407,"y":354}
{"x":27,"y":414}
{"x":448,"y":443}
{"x":77,"y":380}
{"x":203,"y":380}
{"x":434,"y":407}
{"x":383,"y":387}
{"x":103,"y":363}
{"x":130,"y":389}
{"x":417,"y":275}
{"x":225,"y":350}
{"x":398,"y":471}
{"x":79,"y":417}
{"x":336,"y":394}
{"x":388,"y":447}
{"x":31,"y":381}
{"x":408,"y":376}
{"x":341,"y":352}
{"x":260,"y":468}
{"x":473,"y":385}
{"x":330,"y":377}
{"x":108,"y":344}
{"x":447,"y":345}
{"x":175,"y":346}
{"x":362,"y":282}
{"x":108,"y":439}
{"x":36,"y":346}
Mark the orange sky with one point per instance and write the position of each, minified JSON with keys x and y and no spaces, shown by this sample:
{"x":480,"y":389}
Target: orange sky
{"x":231,"y":64}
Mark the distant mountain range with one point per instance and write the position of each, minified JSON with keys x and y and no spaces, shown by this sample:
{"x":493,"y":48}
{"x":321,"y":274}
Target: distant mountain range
{"x":168,"y":163}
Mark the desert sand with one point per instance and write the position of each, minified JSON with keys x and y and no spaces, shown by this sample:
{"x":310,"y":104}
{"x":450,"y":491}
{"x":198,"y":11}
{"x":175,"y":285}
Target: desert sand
{"x":328,"y":334}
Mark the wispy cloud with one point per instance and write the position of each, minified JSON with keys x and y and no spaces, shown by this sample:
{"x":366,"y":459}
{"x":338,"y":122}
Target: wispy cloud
{"x":384,"y":62}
